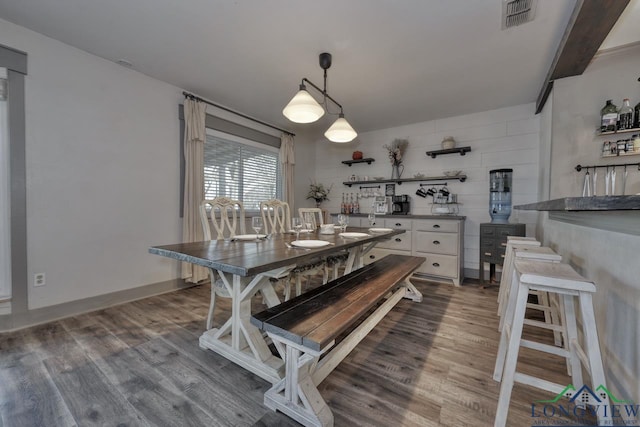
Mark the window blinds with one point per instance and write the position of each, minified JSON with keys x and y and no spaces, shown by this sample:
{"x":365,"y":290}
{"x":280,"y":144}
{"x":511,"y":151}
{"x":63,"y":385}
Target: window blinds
{"x":240,"y":171}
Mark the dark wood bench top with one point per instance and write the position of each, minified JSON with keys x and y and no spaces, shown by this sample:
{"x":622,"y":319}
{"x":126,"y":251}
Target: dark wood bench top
{"x":317,"y":317}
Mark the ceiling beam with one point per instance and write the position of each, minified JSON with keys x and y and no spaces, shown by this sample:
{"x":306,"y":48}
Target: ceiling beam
{"x":590,"y":23}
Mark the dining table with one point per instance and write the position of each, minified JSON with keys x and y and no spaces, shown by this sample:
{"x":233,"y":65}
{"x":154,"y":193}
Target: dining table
{"x":252,"y":266}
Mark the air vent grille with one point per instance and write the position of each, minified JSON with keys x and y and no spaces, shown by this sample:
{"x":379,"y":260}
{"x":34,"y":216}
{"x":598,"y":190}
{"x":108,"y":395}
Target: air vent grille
{"x":517,"y":12}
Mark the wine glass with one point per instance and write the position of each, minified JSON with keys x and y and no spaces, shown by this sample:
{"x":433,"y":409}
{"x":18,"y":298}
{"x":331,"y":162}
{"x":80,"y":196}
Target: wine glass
{"x":343,"y":220}
{"x":297,"y":226}
{"x":257,"y":224}
{"x":372,"y":219}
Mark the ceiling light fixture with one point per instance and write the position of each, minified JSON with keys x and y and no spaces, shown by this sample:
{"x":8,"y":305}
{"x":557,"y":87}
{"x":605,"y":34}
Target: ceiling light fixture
{"x":303,"y":108}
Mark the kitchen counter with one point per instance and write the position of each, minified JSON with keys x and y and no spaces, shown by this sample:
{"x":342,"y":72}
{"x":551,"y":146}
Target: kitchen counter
{"x":595,"y":203}
{"x":611,"y":213}
{"x":444,"y":216}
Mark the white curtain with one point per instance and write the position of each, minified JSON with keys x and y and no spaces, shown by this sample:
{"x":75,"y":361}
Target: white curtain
{"x":194,"y":137}
{"x":288,"y":161}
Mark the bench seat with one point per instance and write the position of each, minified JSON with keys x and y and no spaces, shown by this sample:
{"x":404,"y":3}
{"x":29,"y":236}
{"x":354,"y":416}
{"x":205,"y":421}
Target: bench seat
{"x":306,"y":327}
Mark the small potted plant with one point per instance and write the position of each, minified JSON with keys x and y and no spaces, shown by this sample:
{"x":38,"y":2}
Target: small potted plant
{"x":318,"y":192}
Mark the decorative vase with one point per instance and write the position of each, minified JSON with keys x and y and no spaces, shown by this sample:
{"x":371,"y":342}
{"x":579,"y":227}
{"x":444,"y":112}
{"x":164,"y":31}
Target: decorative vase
{"x":318,"y":203}
{"x":396,"y":171}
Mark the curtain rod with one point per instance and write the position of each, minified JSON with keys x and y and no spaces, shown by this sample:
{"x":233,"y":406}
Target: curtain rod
{"x":197,"y":98}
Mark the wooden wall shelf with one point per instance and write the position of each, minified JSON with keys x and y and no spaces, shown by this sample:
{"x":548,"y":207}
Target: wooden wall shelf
{"x":461,"y":178}
{"x":350,"y":162}
{"x":461,"y":150}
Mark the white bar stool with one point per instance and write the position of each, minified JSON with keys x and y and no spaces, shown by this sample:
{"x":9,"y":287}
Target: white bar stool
{"x":507,"y":266}
{"x":564,"y":281}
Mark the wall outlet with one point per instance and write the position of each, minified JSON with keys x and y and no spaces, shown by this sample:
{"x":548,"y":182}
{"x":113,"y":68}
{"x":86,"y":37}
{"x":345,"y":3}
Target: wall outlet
{"x":38,"y":279}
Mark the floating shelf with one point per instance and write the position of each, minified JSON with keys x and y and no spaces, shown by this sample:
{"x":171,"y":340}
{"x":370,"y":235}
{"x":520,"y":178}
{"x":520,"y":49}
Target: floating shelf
{"x":618,"y":131}
{"x":350,"y":162}
{"x":461,"y":178}
{"x":634,"y":153}
{"x":461,"y":150}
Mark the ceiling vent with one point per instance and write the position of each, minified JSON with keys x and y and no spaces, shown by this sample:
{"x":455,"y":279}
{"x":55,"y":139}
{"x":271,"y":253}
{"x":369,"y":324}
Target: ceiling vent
{"x":517,"y":12}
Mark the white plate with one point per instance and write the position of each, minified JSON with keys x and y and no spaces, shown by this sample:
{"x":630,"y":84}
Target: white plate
{"x":248,"y":237}
{"x":381,"y":230}
{"x":302,"y":231}
{"x":310,"y":243}
{"x":353,"y":235}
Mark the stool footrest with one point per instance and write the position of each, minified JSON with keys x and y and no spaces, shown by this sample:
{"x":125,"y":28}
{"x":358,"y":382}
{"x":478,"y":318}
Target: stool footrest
{"x":544,"y":347}
{"x":538,"y":383}
{"x":539,"y":324}
{"x":539,"y":307}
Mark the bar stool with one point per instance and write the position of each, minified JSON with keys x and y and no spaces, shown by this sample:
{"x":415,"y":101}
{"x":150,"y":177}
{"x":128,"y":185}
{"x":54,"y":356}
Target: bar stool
{"x":564,"y":281}
{"x":507,"y":266}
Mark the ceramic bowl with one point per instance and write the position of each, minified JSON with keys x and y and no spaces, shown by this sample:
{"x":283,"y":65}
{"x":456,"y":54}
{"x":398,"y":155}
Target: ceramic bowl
{"x":452,"y":173}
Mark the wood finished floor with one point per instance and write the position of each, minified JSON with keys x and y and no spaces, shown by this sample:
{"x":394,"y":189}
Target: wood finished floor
{"x":139,"y":364}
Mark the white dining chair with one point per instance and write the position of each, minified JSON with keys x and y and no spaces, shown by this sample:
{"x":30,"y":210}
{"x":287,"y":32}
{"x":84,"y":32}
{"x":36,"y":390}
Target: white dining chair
{"x":221,"y":218}
{"x":313,"y":216}
{"x":276,"y":216}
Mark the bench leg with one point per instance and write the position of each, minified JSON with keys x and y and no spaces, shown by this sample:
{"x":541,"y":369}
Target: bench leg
{"x":296,"y":395}
{"x":412,"y":292}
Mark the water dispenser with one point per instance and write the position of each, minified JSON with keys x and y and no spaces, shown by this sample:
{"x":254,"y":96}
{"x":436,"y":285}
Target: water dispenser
{"x":500,"y":195}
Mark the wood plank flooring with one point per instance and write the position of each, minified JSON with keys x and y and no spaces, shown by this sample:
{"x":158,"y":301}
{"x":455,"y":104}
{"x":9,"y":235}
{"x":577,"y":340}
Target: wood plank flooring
{"x":139,"y":364}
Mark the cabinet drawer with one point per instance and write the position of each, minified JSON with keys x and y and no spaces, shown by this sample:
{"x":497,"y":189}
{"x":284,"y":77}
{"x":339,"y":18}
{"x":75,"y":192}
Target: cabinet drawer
{"x":487,"y":230}
{"x":439,"y":265}
{"x":488,"y":243}
{"x":377,"y":253}
{"x":402,"y":223}
{"x":445,"y":226}
{"x":439,"y":243}
{"x":400,"y":242}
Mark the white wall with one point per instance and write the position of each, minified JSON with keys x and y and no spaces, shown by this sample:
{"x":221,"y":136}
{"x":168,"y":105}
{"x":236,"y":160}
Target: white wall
{"x":503,"y":138}
{"x":102,"y":171}
{"x":607,"y":258}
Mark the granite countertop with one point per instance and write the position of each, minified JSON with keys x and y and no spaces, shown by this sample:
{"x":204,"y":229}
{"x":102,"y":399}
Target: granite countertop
{"x":444,"y":216}
{"x":595,"y":203}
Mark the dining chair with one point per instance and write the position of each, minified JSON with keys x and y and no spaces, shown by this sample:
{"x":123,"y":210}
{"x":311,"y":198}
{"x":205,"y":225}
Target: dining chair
{"x":276,"y":216}
{"x":313,"y":216}
{"x":221,"y":218}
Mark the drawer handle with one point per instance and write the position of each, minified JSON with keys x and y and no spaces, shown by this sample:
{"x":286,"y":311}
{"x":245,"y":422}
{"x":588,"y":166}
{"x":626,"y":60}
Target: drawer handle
{"x":436,"y":242}
{"x":503,"y":244}
{"x":398,"y":224}
{"x":487,"y":253}
{"x":435,"y":264}
{"x":436,"y":226}
{"x":501,"y":256}
{"x":372,"y":257}
{"x":398,"y":239}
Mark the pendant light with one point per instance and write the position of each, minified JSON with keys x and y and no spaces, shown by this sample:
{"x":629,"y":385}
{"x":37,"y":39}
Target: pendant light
{"x":303,"y":108}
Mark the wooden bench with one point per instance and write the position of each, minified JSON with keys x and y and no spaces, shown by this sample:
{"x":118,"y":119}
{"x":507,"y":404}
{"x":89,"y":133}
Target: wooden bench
{"x":306,"y":327}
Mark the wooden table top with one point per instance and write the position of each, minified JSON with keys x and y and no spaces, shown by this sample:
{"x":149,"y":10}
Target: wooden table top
{"x":248,"y":258}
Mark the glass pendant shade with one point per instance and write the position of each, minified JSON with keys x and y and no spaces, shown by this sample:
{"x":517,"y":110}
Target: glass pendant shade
{"x":303,"y":108}
{"x":340,"y":131}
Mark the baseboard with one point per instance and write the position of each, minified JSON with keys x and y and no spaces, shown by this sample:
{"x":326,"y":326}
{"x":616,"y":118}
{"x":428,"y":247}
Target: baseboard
{"x":12,"y":322}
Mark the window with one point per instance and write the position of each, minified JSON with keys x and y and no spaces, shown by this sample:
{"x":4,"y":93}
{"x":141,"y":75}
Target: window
{"x":241,"y":169}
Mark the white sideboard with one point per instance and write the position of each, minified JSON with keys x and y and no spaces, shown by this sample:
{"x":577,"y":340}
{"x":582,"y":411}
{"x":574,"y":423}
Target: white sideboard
{"x":437,"y":238}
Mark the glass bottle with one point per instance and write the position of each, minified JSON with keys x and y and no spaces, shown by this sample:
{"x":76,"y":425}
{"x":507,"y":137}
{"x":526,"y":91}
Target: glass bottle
{"x":625,"y":115}
{"x":636,"y":116}
{"x":609,"y":117}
